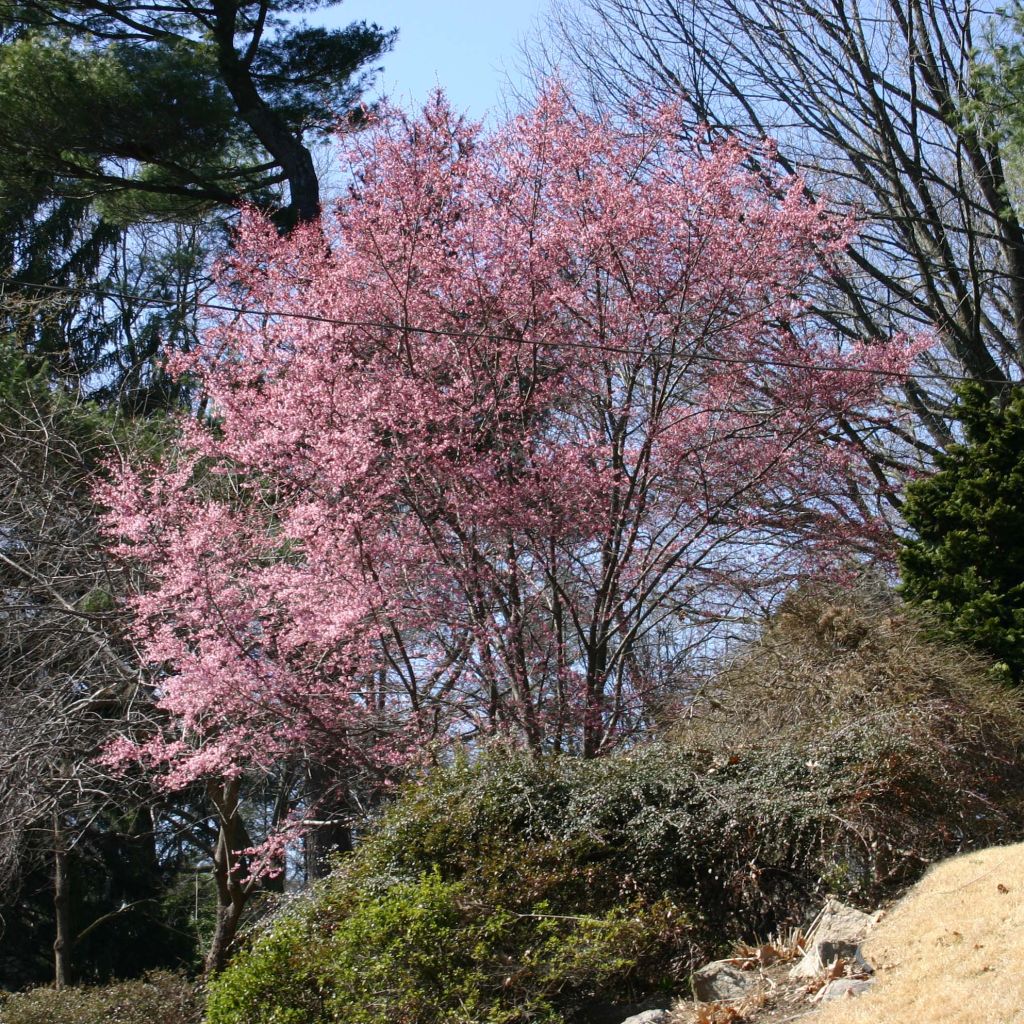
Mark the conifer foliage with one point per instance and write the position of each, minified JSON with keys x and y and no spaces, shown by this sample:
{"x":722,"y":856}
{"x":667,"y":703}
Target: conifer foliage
{"x":966,"y":560}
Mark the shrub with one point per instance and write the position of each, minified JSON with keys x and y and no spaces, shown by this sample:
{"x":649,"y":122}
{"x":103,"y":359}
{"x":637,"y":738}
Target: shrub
{"x":913,"y":741}
{"x":840,"y":752}
{"x":433,"y":950}
{"x":158,"y":998}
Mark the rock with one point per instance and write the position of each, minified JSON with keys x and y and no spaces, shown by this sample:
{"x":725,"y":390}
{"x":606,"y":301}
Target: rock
{"x":649,"y":1017}
{"x":617,"y":1013}
{"x":843,"y":988}
{"x":721,"y":981}
{"x":837,"y":932}
{"x":832,"y":950}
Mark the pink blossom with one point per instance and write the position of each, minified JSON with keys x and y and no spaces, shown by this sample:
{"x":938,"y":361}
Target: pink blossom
{"x":522,"y":415}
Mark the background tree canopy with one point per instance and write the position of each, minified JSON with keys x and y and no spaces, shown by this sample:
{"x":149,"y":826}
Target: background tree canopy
{"x":131,"y":134}
{"x":199,"y":105}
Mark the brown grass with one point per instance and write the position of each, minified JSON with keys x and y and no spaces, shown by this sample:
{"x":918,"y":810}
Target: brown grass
{"x":951,"y":951}
{"x":722,"y":1013}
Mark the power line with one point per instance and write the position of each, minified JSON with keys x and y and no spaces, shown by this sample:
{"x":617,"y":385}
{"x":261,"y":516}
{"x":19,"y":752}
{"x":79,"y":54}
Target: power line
{"x":707,"y":357}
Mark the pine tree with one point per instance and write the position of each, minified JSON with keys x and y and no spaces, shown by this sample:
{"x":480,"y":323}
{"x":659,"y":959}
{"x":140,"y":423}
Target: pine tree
{"x":966,"y":560}
{"x":131,"y":134}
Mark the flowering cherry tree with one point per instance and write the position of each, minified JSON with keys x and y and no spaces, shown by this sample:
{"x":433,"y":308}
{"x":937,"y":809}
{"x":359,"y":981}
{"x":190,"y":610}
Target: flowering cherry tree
{"x":490,"y":442}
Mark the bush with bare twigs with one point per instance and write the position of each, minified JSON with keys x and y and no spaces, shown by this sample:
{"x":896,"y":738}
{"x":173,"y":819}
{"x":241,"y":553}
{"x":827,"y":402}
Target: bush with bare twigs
{"x":916,"y":748}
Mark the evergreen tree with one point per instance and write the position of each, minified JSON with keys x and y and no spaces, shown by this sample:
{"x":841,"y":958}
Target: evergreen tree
{"x":131,"y":134}
{"x":966,"y":559}
{"x":172,"y":107}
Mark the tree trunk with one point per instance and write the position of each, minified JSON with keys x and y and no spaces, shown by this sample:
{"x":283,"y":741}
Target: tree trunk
{"x":63,"y":941}
{"x":267,"y":125}
{"x":228,"y":872}
{"x":330,"y":804}
{"x":224,"y":931}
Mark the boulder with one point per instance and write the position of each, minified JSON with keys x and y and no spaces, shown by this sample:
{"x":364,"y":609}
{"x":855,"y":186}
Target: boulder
{"x":721,"y":981}
{"x":842,"y":988}
{"x":649,"y":1017}
{"x":837,"y":933}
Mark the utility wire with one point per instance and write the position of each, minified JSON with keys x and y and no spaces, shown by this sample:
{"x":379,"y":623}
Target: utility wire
{"x":707,"y":357}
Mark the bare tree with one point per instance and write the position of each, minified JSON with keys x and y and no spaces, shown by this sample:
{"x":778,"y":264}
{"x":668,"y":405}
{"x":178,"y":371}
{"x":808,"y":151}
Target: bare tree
{"x":872,"y":102}
{"x":67,"y":673}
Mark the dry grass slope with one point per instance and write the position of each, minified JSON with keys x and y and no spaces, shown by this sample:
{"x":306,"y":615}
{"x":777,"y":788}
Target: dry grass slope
{"x":951,"y":951}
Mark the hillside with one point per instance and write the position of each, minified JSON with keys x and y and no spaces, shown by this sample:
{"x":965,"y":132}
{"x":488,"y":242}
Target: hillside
{"x":947,"y":952}
{"x":950,"y":951}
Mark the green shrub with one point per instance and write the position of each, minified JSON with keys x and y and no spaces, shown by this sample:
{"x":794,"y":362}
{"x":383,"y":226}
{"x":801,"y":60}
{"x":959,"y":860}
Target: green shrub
{"x":436,"y":950}
{"x":158,"y":998}
{"x":838,"y":753}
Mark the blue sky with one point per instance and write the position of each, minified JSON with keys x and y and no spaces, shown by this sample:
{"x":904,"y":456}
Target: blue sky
{"x":466,"y":47}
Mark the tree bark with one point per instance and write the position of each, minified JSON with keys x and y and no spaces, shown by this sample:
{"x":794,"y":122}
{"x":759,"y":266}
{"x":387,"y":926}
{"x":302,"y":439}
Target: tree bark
{"x":330,"y":803}
{"x":224,"y":931}
{"x":64,"y":940}
{"x":228,"y":872}
{"x":295,"y":159}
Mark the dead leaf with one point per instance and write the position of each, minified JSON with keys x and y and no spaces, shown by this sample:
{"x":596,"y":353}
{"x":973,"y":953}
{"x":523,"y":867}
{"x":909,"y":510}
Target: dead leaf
{"x":836,"y":969}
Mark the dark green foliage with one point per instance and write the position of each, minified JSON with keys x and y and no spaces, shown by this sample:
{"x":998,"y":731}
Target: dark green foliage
{"x":434,"y":949}
{"x":60,"y":244}
{"x":131,"y":134}
{"x":129,"y":915}
{"x":66,"y":236}
{"x":966,"y":561}
{"x":74,"y":112}
{"x":159,"y":998}
{"x":68,"y":275}
{"x":839,"y":753}
{"x":132,"y":913}
{"x":315,"y":75}
{"x":194,"y":106}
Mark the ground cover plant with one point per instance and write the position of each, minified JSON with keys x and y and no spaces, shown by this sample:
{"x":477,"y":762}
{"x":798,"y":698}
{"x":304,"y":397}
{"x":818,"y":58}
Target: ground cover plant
{"x":156,"y":998}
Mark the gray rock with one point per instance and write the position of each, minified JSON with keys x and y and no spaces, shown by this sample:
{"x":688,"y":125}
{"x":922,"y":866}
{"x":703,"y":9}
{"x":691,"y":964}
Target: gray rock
{"x":832,"y":950}
{"x":649,"y":1017}
{"x":843,"y":988}
{"x":721,"y":981}
{"x":837,"y":932}
{"x":619,"y":1013}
